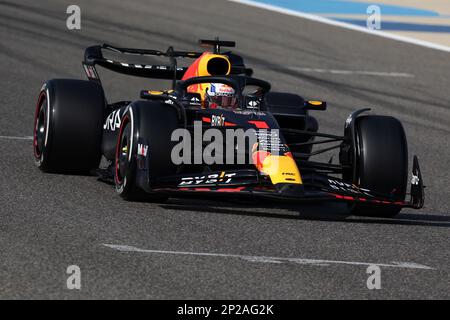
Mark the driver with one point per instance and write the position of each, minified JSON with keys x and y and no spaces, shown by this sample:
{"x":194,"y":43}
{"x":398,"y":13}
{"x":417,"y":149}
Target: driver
{"x":219,"y":95}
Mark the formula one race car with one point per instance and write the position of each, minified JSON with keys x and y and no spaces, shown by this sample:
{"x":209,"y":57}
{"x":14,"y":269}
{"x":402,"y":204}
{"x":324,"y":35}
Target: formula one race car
{"x":218,"y":132}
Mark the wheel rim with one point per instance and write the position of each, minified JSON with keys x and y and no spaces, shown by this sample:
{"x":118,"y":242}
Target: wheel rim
{"x":123,"y":151}
{"x":40,"y":127}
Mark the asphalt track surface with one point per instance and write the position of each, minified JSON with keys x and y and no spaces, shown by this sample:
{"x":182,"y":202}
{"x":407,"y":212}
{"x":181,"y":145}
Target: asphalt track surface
{"x":49,"y":222}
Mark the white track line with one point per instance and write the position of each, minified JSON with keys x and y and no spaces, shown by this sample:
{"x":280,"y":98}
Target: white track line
{"x":16,"y":138}
{"x":264,"y":259}
{"x":316,"y":18}
{"x":354,"y":72}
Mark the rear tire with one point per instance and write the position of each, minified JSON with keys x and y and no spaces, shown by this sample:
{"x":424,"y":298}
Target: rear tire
{"x":68,"y":126}
{"x":382,"y":163}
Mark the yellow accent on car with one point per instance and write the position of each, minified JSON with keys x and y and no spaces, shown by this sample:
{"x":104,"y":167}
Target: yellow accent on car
{"x":281,"y":169}
{"x":315,"y":102}
{"x":205,"y":61}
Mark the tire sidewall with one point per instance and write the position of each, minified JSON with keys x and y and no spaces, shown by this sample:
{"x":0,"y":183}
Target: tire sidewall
{"x":42,"y":159}
{"x":124,"y":185}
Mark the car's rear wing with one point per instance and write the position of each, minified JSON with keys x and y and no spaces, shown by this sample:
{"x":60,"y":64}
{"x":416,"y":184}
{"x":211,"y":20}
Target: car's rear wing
{"x":94,"y":56}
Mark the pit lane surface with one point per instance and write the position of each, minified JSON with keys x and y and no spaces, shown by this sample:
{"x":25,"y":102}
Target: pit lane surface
{"x":49,"y":222}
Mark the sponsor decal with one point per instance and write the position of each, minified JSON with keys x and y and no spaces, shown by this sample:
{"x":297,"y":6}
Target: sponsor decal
{"x":217,"y":121}
{"x":211,"y":179}
{"x":249,"y":112}
{"x":90,"y":72}
{"x":253,"y":104}
{"x":270,"y":141}
{"x":195,"y":101}
{"x":142,"y":149}
{"x":347,"y":187}
{"x":220,"y":89}
{"x":113,"y":121}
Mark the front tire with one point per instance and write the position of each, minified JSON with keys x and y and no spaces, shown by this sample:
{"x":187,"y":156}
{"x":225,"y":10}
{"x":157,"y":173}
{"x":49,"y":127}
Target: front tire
{"x":143,"y":150}
{"x":382,"y":163}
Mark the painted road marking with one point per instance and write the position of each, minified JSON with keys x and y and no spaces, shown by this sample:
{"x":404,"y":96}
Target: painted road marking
{"x":355,"y":72}
{"x":16,"y":138}
{"x":349,"y":7}
{"x":264,"y":259}
{"x":345,"y":25}
{"x":400,"y":26}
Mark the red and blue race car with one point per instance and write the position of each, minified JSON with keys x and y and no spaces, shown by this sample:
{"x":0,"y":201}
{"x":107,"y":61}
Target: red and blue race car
{"x":218,"y":131}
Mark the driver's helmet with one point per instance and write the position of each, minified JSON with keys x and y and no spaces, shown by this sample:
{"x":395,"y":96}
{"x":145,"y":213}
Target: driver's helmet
{"x":219,"y":95}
